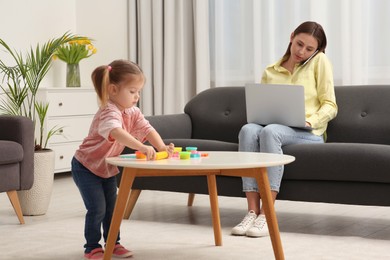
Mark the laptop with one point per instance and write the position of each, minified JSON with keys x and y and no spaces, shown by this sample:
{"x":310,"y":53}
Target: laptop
{"x":276,"y":104}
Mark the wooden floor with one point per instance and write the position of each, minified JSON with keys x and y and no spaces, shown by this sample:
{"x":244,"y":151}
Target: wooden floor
{"x":163,"y":227}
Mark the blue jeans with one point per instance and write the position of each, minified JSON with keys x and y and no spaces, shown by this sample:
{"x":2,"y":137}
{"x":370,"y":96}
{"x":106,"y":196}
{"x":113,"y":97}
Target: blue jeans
{"x":271,"y":139}
{"x":99,"y":196}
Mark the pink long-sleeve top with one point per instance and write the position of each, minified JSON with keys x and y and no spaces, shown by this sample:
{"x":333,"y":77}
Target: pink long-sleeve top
{"x":99,"y":145}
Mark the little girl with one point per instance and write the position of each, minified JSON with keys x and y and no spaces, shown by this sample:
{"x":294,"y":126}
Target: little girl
{"x":117,"y":123}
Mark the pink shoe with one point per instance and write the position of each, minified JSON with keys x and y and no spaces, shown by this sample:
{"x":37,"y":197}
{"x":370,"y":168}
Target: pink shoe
{"x":96,"y":254}
{"x":121,"y":252}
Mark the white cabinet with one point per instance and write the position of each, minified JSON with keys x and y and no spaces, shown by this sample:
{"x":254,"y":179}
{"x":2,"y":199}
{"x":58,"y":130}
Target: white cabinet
{"x":73,"y":109}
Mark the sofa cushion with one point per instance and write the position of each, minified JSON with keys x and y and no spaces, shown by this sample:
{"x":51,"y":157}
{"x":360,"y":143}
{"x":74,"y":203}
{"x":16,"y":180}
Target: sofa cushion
{"x":363,"y":115}
{"x":10,"y":152}
{"x":351,"y":162}
{"x":172,"y":126}
{"x":218,"y":114}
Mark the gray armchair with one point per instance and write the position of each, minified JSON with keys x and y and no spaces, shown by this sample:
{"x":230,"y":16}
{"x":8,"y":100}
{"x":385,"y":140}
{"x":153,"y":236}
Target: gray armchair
{"x":16,"y":158}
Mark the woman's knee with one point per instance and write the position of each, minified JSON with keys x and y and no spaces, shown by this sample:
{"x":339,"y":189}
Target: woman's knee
{"x":248,"y":138}
{"x":250,"y":130}
{"x":271,"y":139}
{"x":273,"y":131}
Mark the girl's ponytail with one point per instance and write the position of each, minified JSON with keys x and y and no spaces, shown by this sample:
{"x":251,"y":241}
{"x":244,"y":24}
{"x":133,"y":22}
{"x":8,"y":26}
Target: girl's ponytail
{"x":105,"y":84}
{"x":101,"y":81}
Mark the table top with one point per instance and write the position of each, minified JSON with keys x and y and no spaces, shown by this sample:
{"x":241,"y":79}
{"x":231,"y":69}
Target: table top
{"x":214,"y":160}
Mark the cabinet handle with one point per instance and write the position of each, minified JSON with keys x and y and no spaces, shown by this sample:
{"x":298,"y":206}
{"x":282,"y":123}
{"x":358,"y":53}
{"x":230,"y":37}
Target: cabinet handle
{"x":61,"y":157}
{"x":60,"y":104}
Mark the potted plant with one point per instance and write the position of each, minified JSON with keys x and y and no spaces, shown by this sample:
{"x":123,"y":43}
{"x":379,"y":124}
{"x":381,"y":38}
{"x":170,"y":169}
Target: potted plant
{"x":19,"y":83}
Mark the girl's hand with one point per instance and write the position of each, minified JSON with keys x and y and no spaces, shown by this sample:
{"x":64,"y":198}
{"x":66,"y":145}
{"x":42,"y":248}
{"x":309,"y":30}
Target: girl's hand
{"x":148,"y":151}
{"x":170,"y":149}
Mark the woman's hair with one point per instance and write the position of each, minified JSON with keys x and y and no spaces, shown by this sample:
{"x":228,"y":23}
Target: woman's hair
{"x":314,"y":29}
{"x":117,"y":72}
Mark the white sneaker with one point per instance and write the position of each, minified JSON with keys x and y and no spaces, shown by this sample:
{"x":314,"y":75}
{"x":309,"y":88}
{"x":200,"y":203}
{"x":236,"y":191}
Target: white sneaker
{"x":245,"y":225}
{"x":259,"y":228}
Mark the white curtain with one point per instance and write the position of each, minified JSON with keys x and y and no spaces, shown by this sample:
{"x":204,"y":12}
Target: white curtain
{"x":170,"y":41}
{"x":247,"y":35}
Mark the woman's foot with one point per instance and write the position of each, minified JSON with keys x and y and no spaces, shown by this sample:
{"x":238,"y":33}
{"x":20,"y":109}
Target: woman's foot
{"x":259,"y":227}
{"x":245,"y":225}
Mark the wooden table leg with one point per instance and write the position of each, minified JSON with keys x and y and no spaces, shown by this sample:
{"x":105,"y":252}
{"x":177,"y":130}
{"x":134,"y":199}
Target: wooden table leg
{"x":120,"y":205}
{"x":134,"y":194}
{"x":269,"y":210}
{"x":190,"y":201}
{"x":212,"y":185}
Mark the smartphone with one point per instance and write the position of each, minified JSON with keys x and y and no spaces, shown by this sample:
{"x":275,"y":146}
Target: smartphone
{"x":310,"y":58}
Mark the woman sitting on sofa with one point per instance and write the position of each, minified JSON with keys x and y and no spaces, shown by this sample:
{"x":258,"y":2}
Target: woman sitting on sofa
{"x":304,"y":63}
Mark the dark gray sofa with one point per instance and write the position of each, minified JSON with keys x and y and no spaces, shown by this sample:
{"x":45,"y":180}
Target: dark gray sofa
{"x":353,"y":167}
{"x":16,"y":157}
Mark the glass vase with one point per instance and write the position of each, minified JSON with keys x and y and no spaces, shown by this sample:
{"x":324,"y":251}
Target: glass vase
{"x":72,"y":75}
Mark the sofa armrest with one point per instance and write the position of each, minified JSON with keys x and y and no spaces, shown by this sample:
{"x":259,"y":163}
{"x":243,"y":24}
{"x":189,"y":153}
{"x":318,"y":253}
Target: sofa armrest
{"x":172,"y":126}
{"x":21,"y":130}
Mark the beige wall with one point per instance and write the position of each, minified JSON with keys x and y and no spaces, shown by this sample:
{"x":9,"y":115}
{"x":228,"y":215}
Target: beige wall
{"x":26,"y":23}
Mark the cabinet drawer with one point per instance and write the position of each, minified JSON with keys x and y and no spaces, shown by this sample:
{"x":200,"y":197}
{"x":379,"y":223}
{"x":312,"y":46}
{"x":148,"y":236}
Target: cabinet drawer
{"x":68,"y":103}
{"x":75,"y":128}
{"x":63,"y":156}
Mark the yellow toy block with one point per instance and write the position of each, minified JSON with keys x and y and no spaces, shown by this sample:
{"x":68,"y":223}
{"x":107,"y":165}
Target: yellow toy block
{"x":161,"y":155}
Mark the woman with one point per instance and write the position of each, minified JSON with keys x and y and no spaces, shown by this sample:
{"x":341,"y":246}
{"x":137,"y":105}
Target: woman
{"x":304,"y":63}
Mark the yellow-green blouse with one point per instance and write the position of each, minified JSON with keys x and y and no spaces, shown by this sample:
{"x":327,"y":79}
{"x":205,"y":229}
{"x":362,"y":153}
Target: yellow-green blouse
{"x":317,"y":78}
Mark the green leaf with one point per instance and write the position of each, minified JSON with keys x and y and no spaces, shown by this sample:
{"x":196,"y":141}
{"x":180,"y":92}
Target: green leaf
{"x":21,"y":81}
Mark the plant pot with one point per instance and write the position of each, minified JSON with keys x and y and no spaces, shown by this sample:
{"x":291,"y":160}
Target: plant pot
{"x":35,"y":201}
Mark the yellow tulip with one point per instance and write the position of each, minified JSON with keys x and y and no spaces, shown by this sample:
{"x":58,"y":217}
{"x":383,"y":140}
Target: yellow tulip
{"x":74,"y":51}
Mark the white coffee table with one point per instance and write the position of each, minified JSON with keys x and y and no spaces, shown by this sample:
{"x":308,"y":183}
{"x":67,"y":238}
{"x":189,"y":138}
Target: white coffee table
{"x":241,"y":164}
